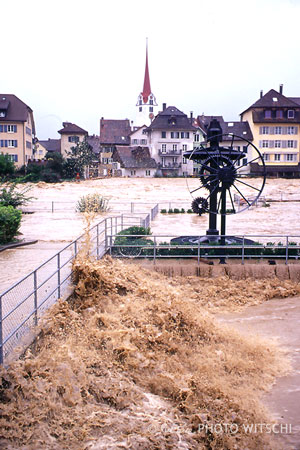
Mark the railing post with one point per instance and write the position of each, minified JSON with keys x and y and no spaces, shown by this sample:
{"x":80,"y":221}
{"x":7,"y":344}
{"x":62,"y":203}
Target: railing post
{"x":154,"y":250}
{"x":243,"y":249}
{"x":110,"y":246}
{"x":122,"y":222}
{"x":1,"y":333}
{"x":75,"y":248}
{"x":35,"y":298}
{"x":105,"y":235}
{"x":97,"y":240}
{"x":132,"y":208}
{"x":198,"y":252}
{"x":287,"y":250}
{"x":58,"y":275}
{"x":52,"y":207}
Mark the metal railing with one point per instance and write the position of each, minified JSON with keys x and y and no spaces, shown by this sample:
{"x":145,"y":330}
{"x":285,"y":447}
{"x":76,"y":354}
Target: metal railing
{"x":155,"y":247}
{"x":24,"y":303}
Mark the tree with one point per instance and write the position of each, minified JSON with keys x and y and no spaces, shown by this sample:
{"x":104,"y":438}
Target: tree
{"x":79,"y":159}
{"x":7,"y":166}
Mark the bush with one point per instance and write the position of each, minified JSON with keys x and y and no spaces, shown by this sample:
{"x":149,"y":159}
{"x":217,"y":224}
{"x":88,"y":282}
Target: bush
{"x":49,"y":176}
{"x":163,"y":211}
{"x":176,"y":211}
{"x":170,"y":211}
{"x":10,"y":220}
{"x":92,"y":203}
{"x":7,"y":167}
{"x":9,"y":196}
{"x":182,"y":210}
{"x":128,"y":243}
{"x":190,"y":211}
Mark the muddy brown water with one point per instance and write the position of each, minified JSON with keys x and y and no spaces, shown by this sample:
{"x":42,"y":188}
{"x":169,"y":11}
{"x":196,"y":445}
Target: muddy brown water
{"x":279,"y":320}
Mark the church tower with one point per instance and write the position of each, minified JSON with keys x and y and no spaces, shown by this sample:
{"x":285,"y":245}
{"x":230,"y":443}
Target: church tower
{"x":146,"y":103}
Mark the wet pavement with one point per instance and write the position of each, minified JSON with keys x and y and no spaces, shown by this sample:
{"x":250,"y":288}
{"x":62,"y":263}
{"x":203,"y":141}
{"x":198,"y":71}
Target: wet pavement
{"x":279,"y":319}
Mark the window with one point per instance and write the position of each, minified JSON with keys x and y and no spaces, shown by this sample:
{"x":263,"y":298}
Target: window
{"x":266,"y":157}
{"x":140,"y":109}
{"x":291,"y":130}
{"x":279,"y":114}
{"x":13,"y":158}
{"x":28,"y":144}
{"x":174,"y":134}
{"x":2,"y":114}
{"x":277,"y":130}
{"x":267,"y":114}
{"x":184,"y":160}
{"x":150,"y":108}
{"x":144,"y":141}
{"x":163,"y":134}
{"x":11,"y":143}
{"x":277,"y":144}
{"x":185,"y":134}
{"x":163,"y":148}
{"x":148,"y":173}
{"x":290,"y":157}
{"x":73,"y":139}
{"x":290,"y":144}
{"x":277,"y":157}
{"x":11,"y":128}
{"x":245,"y":149}
{"x":264,"y":130}
{"x":196,"y":138}
{"x":174,"y":147}
{"x":135,"y":141}
{"x":140,"y":102}
{"x":265,"y":144}
{"x":244,"y":161}
{"x":184,"y":147}
{"x":151,"y":102}
{"x":133,"y":172}
{"x":291,"y":114}
{"x":28,"y":131}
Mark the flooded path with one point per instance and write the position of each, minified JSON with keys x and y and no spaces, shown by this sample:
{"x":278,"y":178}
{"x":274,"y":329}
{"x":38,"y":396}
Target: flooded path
{"x":280,"y":320}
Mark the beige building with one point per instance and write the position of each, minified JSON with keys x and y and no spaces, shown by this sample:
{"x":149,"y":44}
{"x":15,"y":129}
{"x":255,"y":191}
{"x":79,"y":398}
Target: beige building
{"x":17,"y":129}
{"x":71,"y":134}
{"x":275,"y":124}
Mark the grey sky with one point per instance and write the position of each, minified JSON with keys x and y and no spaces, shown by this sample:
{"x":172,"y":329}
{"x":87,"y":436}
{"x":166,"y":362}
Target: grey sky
{"x":81,"y":60}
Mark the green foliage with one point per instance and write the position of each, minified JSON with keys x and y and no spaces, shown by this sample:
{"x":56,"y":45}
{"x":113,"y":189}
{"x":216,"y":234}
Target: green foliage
{"x":92,"y":203}
{"x":10,"y":196}
{"x":7,"y":166}
{"x":135,"y":230}
{"x":163,"y":211}
{"x":170,"y":211}
{"x":190,"y":211}
{"x":10,"y":220}
{"x":78,"y":158}
{"x":182,"y":210}
{"x":176,"y":211}
{"x":55,"y":162}
{"x":129,"y":242}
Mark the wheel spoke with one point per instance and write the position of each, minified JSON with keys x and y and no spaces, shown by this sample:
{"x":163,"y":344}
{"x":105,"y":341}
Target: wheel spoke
{"x":233,"y":208}
{"x":210,"y":155}
{"x":249,"y":162}
{"x":208,"y":167}
{"x":220,"y":199}
{"x":249,"y":185}
{"x":211,"y":193}
{"x":241,"y":194}
{"x":200,"y":187}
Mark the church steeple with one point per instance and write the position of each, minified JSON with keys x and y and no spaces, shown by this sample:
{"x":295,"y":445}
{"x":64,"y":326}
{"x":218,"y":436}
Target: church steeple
{"x":147,"y":88}
{"x":146,"y":104}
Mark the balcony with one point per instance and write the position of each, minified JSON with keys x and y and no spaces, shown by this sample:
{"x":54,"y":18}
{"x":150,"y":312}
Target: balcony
{"x":169,"y":152}
{"x":167,"y":166}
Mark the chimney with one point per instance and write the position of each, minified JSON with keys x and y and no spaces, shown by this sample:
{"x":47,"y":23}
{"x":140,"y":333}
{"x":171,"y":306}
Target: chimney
{"x":164,"y":106}
{"x":280,"y":88}
{"x":261,"y":94}
{"x":191,"y":115}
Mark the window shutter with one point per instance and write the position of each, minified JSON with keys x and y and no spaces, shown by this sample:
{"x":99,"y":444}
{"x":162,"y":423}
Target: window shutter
{"x":16,"y":143}
{"x":271,"y":130}
{"x":1,"y":128}
{"x":15,"y":128}
{"x":1,"y":143}
{"x":283,"y":144}
{"x":295,"y":144}
{"x":5,"y":142}
{"x":16,"y":158}
{"x":296,"y":130}
{"x":5,"y":128}
{"x":260,"y":130}
{"x":284,"y":130}
{"x":260,"y":144}
{"x":271,"y":144}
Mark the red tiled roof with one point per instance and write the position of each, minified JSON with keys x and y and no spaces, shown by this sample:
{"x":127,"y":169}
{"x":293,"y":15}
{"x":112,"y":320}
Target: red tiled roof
{"x":71,"y":128}
{"x":115,"y":132}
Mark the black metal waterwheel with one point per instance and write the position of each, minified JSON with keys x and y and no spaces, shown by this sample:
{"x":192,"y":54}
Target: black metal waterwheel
{"x":224,"y":172}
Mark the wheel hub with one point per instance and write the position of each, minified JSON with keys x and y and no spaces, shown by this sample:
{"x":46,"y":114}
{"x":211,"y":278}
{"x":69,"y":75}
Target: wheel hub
{"x":226,"y":176}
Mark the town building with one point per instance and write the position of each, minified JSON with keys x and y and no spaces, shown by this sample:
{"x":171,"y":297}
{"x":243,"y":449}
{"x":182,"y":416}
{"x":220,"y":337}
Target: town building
{"x":134,"y":162}
{"x":17,"y":129}
{"x":71,"y":135}
{"x":42,"y":147}
{"x":146,"y":105}
{"x":113,"y":133}
{"x":169,"y":136}
{"x":274,"y":121}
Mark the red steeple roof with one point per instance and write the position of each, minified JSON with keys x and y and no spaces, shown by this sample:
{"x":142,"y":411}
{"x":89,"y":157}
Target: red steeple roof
{"x":147,"y":88}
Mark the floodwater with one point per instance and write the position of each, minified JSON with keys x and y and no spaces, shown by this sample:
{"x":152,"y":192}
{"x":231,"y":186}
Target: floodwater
{"x":280,"y":320}
{"x":54,"y":230}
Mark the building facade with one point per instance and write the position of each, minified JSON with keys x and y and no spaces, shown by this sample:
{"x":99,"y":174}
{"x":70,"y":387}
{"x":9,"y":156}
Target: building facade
{"x":170,"y":135}
{"x":275,"y":123}
{"x":71,"y":135}
{"x":17,"y":129}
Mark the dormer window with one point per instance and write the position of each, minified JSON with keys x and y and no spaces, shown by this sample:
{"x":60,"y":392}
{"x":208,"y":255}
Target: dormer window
{"x":2,"y":113}
{"x":172,"y":120}
{"x":279,"y":114}
{"x":267,"y":114}
{"x":291,"y":114}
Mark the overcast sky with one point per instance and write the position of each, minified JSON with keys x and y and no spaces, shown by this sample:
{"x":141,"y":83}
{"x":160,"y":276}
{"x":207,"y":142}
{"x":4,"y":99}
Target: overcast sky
{"x":78,"y":61}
